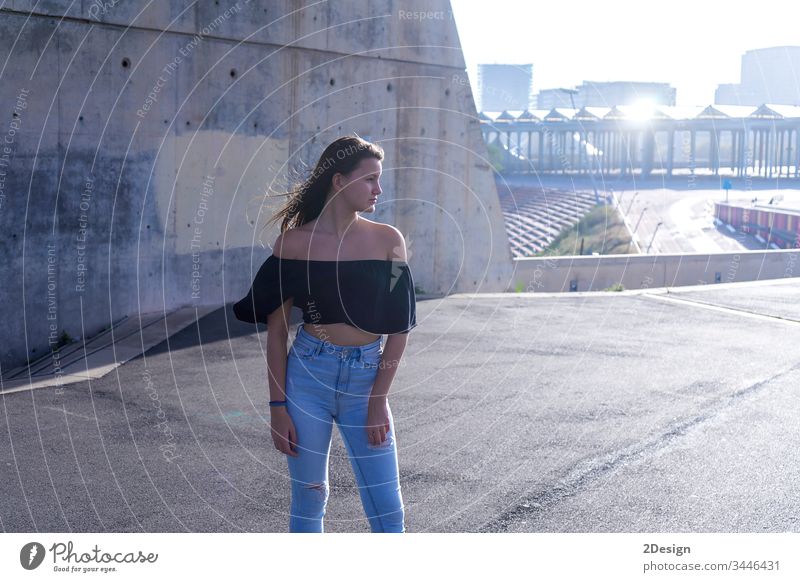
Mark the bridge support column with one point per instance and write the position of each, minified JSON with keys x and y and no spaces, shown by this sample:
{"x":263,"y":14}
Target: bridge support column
{"x":670,"y":151}
{"x":540,"y":154}
{"x":648,"y":150}
{"x":713,"y":150}
{"x":530,"y":157}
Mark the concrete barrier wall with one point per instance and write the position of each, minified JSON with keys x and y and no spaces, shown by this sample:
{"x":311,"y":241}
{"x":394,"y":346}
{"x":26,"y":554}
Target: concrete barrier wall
{"x":146,"y":134}
{"x":596,"y":273}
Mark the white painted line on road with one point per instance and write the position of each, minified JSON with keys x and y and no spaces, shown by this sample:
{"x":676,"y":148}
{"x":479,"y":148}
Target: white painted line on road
{"x":21,"y":385}
{"x":729,"y":310}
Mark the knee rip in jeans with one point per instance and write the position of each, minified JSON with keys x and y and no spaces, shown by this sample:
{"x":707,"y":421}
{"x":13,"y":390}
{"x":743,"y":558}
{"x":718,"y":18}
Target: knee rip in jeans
{"x":322,"y":488}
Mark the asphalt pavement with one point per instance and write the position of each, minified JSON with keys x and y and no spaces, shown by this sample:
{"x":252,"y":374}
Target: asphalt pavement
{"x":637,"y":411}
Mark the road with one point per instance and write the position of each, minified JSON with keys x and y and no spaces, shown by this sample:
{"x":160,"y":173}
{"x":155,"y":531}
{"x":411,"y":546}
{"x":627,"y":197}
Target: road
{"x":687,"y":219}
{"x":627,"y":412}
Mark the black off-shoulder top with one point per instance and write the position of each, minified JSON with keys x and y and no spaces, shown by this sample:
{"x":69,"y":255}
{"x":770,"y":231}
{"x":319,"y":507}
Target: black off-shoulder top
{"x":371,"y":294}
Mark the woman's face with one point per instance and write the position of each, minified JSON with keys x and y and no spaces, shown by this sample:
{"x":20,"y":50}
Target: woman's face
{"x":360,"y":188}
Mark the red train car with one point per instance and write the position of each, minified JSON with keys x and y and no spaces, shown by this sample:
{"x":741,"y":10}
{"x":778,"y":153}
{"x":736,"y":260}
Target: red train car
{"x":772,"y":223}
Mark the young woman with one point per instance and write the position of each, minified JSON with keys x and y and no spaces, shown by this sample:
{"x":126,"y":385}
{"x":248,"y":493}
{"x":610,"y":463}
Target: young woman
{"x":351,"y":278}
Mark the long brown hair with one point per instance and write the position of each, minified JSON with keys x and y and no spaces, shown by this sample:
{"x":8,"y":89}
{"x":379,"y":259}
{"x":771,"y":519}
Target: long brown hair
{"x":307,"y":199}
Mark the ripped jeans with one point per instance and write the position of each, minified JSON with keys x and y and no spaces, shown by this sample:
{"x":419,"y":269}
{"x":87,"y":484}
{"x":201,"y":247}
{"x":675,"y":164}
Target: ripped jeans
{"x":327,"y":383}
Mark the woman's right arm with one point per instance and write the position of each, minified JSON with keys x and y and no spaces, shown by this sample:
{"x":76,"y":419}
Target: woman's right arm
{"x":283,"y":431}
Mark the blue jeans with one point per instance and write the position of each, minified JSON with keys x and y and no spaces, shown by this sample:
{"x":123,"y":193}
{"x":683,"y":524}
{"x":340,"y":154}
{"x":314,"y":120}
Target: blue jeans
{"x":328,"y":383}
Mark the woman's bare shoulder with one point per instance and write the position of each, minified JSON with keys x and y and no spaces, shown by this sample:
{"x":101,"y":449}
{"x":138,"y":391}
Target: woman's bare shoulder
{"x":288,"y":243}
{"x":394,"y":242}
{"x":382,"y":235}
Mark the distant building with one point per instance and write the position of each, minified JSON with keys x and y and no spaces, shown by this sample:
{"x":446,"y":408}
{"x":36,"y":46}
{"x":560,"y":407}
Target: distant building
{"x":769,"y":75}
{"x":610,"y":94}
{"x":502,"y":87}
{"x":734,"y":94}
{"x":606,"y":94}
{"x":552,"y":98}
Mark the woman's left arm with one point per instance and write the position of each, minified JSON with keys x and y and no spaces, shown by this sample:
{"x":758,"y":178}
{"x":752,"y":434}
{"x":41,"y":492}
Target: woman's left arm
{"x":392,"y":355}
{"x":377,"y":411}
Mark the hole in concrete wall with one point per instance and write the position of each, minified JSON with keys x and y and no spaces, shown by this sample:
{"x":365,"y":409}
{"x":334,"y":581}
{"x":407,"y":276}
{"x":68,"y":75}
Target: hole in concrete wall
{"x":80,"y":118}
{"x":126,"y":62}
{"x":188,"y":123}
{"x":255,"y":125}
{"x":447,"y":92}
{"x":422,"y":131}
{"x":333,"y":82}
{"x":233,"y":73}
{"x":388,"y":86}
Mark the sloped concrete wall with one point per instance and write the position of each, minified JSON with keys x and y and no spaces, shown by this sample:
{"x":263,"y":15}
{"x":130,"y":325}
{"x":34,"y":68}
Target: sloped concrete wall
{"x":139,"y":137}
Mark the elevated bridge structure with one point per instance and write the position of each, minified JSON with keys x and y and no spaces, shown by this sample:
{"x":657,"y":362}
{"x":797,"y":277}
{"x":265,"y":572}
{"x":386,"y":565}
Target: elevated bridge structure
{"x":714,"y":140}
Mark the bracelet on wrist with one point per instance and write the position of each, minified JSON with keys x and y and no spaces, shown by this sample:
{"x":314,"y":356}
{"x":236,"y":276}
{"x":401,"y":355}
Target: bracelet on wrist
{"x":274,"y":403}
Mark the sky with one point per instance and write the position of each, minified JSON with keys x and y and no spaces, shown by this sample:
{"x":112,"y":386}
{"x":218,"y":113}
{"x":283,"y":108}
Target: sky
{"x":692,"y":45}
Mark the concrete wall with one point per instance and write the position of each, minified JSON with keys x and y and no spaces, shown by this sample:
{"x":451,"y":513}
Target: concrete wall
{"x":596,"y":273}
{"x":145,"y":133}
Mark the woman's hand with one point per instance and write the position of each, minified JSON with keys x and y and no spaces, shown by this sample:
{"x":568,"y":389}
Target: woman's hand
{"x":283,"y":433}
{"x":377,"y":420}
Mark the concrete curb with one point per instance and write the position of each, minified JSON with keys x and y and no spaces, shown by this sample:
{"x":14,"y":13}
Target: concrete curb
{"x":649,"y":291}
